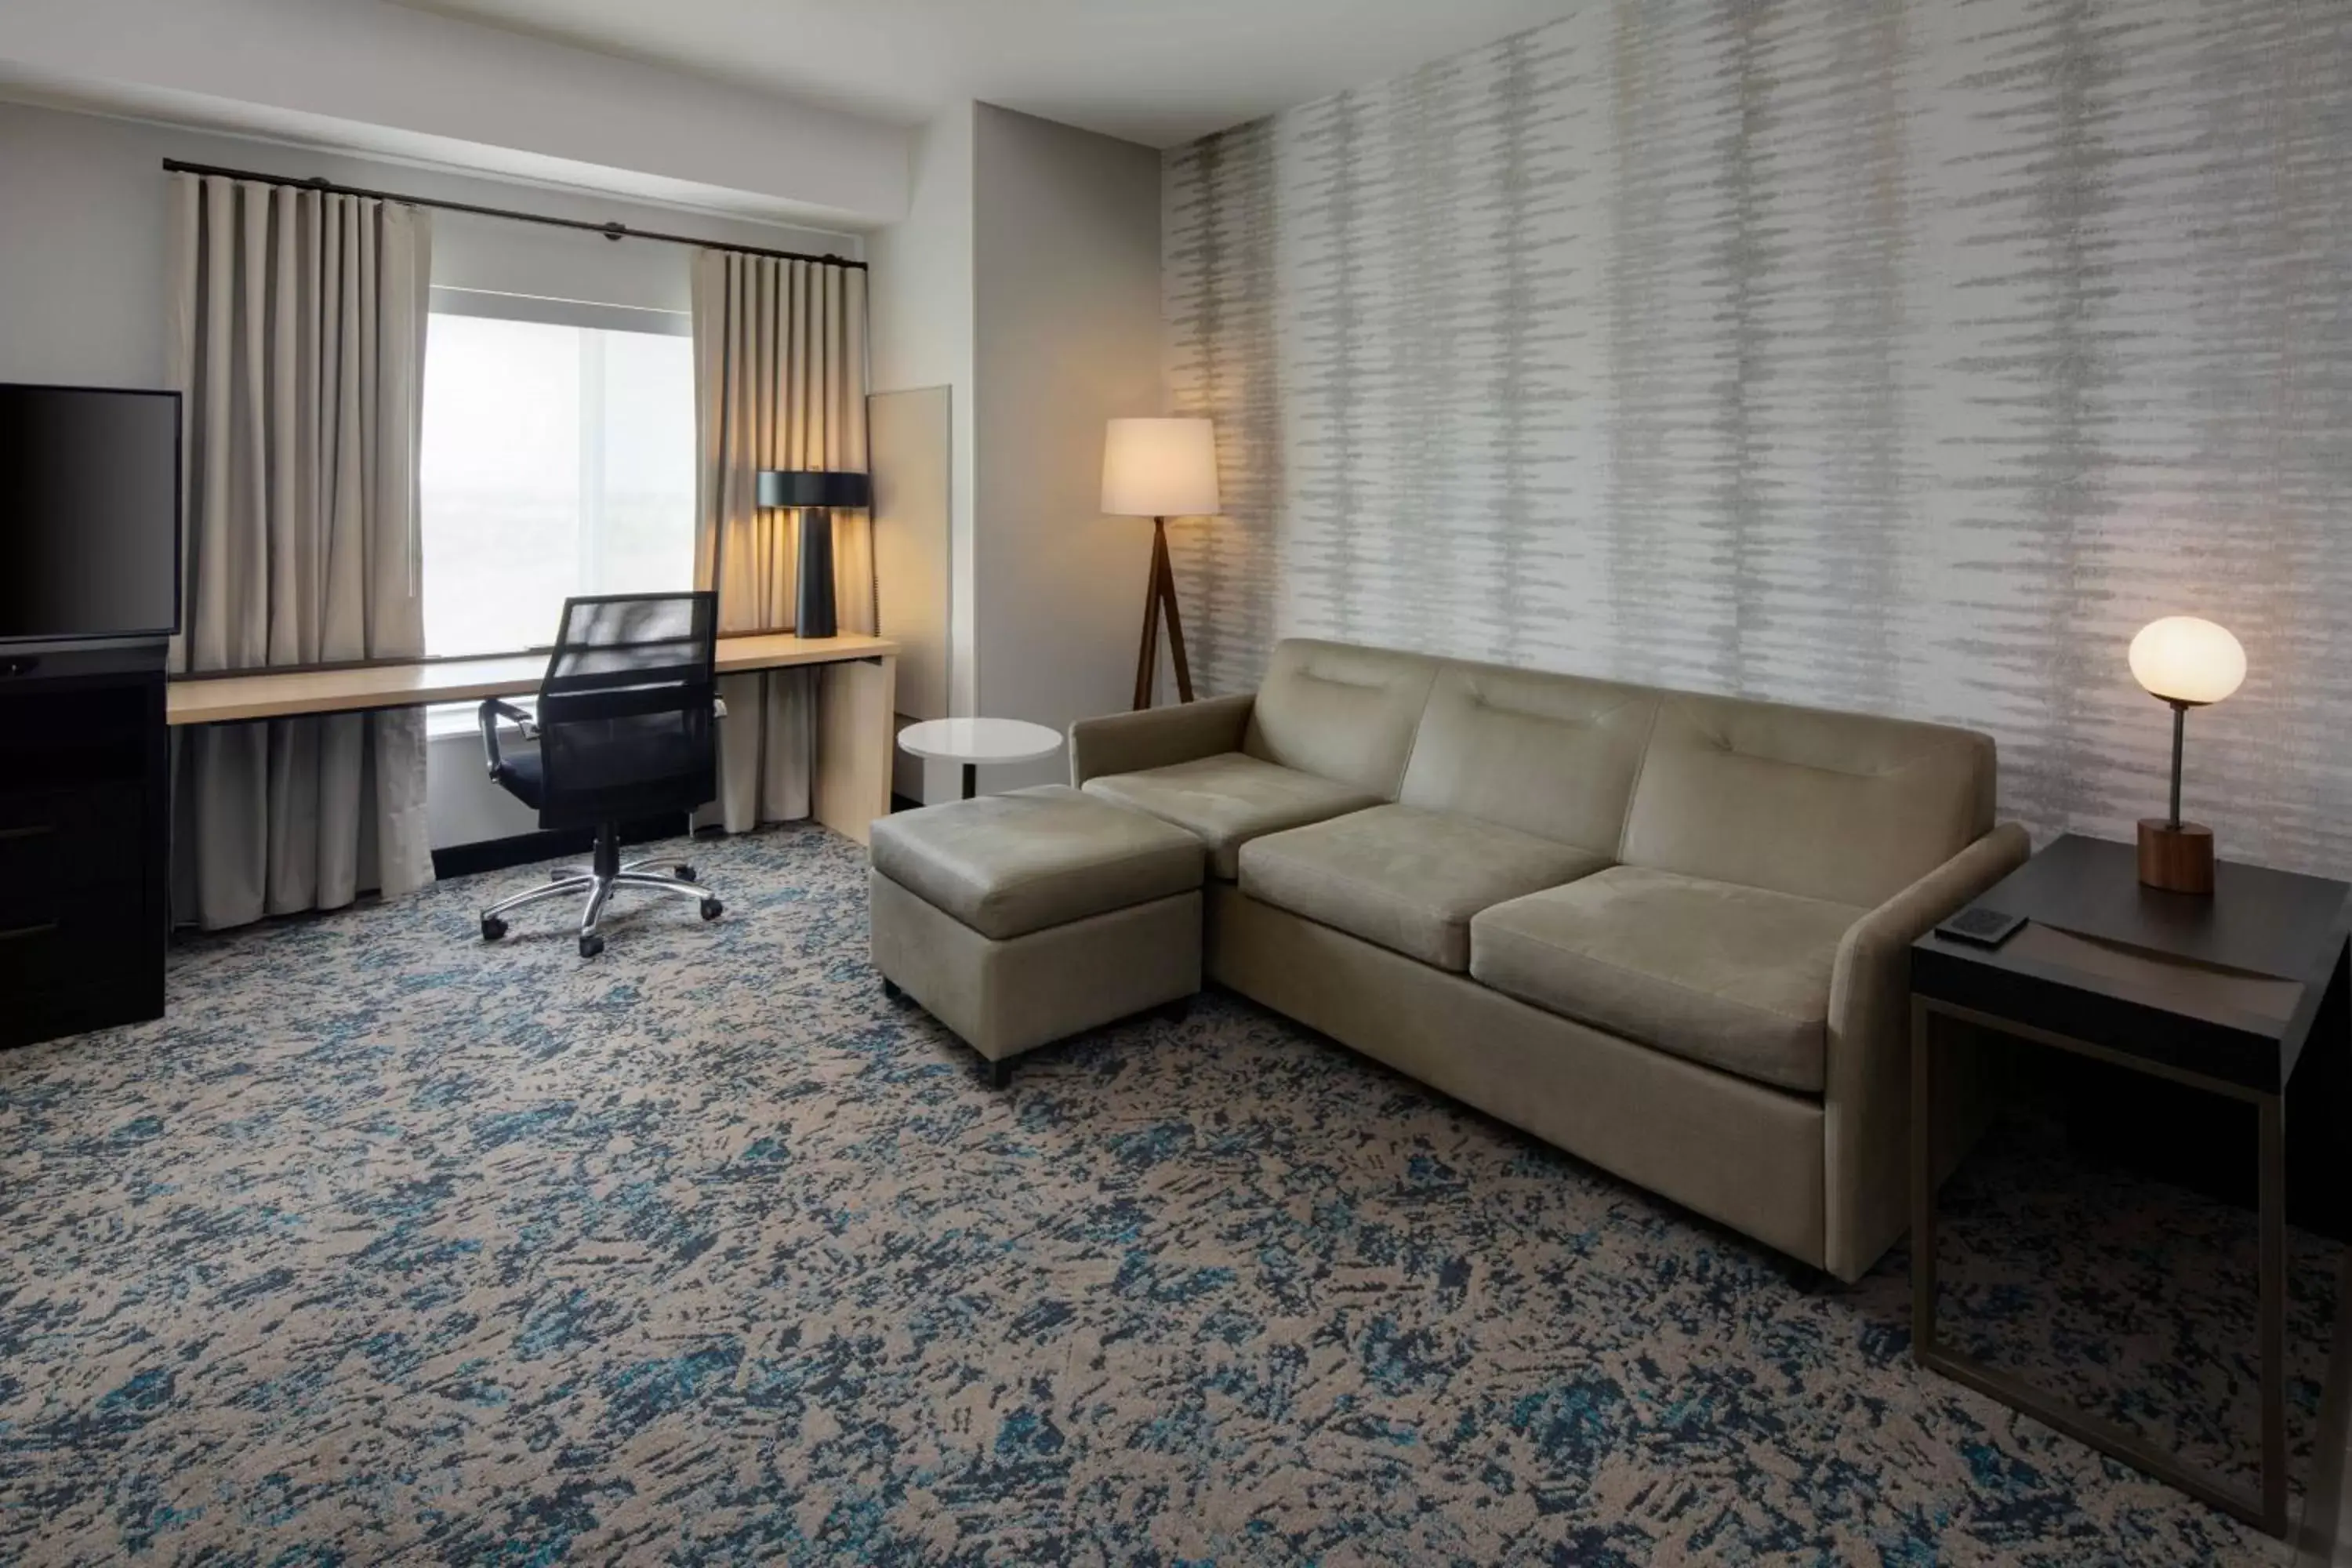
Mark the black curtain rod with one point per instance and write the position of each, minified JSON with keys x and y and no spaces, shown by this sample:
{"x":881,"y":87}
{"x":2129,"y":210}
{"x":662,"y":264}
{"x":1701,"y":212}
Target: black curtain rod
{"x":609,"y":230}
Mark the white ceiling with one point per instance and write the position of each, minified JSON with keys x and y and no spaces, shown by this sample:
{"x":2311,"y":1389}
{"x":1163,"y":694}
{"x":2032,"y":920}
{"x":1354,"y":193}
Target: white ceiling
{"x":1157,"y":71}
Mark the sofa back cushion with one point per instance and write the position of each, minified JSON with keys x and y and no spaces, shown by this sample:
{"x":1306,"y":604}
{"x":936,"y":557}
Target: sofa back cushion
{"x":1548,"y":754}
{"x":1844,"y":807}
{"x":1344,"y":712}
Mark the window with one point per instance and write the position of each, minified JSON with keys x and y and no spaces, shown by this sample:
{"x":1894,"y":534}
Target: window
{"x":558,"y":460}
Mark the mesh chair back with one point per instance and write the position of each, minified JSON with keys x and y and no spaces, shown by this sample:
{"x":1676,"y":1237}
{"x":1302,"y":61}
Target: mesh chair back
{"x":624,"y":714}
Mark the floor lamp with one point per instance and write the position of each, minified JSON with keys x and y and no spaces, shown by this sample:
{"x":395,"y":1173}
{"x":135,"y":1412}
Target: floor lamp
{"x":1161,"y":468}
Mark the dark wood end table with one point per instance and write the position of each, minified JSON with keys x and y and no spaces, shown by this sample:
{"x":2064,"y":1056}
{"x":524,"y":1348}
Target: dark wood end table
{"x":2222,"y":992}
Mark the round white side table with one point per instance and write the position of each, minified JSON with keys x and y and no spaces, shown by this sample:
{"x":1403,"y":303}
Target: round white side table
{"x":972,"y":741}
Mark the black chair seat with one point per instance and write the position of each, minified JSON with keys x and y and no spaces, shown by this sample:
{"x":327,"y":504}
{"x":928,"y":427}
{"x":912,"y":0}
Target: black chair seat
{"x":601,"y":770}
{"x":523,"y":778}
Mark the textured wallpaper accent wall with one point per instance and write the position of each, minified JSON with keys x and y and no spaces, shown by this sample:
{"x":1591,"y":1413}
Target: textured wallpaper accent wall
{"x":1895,"y":354}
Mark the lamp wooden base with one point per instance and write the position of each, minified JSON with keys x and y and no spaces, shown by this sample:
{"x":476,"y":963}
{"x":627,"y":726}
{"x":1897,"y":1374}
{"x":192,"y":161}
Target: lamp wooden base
{"x":2176,"y":856}
{"x":1160,"y":598}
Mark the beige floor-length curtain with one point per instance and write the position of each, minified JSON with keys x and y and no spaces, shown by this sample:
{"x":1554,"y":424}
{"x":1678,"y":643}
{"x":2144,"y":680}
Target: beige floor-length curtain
{"x":297,"y":341}
{"x":779,"y":367}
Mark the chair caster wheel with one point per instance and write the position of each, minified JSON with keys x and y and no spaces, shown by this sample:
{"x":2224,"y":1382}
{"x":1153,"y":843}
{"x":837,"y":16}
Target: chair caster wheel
{"x":712,"y":908}
{"x":590,"y":946}
{"x":493,"y":927}
{"x":684,"y":873}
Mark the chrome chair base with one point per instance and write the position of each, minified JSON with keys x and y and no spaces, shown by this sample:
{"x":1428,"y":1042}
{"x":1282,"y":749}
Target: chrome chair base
{"x":598,"y":886}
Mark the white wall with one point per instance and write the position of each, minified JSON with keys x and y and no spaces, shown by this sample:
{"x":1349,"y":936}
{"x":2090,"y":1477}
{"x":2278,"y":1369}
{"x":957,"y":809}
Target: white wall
{"x":1066,"y":336}
{"x":393,"y":79}
{"x":1027,"y":280}
{"x":83,"y":285}
{"x":919,"y":294}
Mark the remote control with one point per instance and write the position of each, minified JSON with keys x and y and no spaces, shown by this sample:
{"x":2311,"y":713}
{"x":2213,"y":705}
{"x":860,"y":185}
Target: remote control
{"x":1984,"y":927}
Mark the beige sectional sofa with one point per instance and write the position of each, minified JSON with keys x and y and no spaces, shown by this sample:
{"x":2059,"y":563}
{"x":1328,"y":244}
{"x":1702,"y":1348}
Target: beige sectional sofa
{"x":1667,"y":933}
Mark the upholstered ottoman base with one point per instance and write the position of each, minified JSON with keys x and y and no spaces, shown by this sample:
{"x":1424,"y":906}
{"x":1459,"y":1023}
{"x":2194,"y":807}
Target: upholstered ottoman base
{"x":1002,"y":998}
{"x":1019,"y":919}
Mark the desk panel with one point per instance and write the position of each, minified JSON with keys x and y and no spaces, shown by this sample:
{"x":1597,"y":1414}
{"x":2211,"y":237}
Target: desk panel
{"x":356,"y":688}
{"x":856,"y":731}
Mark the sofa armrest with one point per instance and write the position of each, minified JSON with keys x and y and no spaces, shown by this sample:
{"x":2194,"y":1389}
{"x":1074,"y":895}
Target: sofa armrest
{"x":1156,"y":737}
{"x":1867,"y":1082}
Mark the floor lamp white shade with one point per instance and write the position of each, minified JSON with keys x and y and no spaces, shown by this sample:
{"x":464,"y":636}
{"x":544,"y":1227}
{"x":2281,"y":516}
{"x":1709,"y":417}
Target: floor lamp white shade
{"x":1160,"y":468}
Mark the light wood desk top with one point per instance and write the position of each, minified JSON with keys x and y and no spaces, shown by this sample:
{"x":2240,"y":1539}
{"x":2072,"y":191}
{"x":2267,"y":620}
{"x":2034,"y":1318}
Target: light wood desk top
{"x":285,"y":694}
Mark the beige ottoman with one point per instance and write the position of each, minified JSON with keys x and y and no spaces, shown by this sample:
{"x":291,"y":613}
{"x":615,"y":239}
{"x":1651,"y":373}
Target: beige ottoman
{"x":1019,"y":919}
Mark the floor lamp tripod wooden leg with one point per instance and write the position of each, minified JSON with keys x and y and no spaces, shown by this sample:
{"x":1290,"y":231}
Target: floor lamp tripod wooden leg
{"x":1159,"y":596}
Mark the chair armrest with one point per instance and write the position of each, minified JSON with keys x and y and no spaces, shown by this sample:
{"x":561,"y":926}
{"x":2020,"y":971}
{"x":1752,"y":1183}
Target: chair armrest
{"x":1158,"y":737}
{"x":1866,"y":1088}
{"x":491,"y":711}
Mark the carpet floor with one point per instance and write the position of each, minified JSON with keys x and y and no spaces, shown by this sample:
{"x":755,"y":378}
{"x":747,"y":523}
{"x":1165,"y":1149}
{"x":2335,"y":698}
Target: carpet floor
{"x":386,"y":1244}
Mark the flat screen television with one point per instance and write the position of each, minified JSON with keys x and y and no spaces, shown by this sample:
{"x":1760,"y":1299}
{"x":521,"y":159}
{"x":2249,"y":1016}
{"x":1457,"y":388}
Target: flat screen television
{"x":89,"y":513}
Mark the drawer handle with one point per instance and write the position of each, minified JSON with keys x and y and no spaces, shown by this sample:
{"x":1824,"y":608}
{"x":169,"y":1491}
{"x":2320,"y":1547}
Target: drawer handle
{"x":32,"y":831}
{"x":43,"y":929}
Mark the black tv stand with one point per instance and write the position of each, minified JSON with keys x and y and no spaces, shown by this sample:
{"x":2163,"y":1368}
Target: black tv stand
{"x":85,"y":839}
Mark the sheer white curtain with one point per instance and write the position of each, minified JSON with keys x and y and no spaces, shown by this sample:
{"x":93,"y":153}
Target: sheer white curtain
{"x":780,"y":367}
{"x":298,"y":340}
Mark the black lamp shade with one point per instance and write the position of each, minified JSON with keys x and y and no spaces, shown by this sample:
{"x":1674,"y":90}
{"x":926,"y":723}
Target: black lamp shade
{"x":816,"y":487}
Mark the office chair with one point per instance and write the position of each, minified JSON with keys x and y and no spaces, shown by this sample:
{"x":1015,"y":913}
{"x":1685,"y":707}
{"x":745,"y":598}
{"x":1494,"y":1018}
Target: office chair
{"x":625,"y":733}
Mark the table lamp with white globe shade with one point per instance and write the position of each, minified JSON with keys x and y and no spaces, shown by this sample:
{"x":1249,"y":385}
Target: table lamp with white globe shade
{"x":2188,"y":663}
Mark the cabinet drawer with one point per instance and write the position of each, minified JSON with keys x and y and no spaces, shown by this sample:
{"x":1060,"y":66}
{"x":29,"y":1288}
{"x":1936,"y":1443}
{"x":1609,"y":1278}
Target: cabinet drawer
{"x":88,"y":960}
{"x":55,"y":839}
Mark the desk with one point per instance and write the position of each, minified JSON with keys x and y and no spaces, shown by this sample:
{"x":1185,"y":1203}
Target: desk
{"x":857,"y":729}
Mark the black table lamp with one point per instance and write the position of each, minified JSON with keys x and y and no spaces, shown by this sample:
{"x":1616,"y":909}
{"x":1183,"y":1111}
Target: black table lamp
{"x":817,"y":494}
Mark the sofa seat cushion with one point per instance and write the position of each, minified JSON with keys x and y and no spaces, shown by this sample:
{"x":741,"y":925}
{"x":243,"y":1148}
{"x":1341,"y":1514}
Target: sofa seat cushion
{"x":1006,"y":865}
{"x":1731,"y":976}
{"x":1406,"y":877}
{"x":1229,"y":799}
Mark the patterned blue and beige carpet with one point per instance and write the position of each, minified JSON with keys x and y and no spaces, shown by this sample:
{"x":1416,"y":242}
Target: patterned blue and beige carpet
{"x":388,"y":1247}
